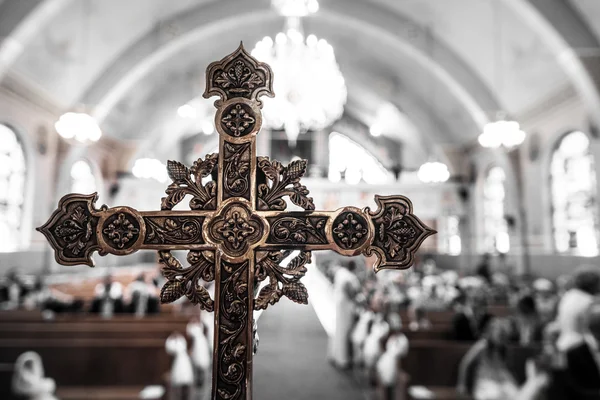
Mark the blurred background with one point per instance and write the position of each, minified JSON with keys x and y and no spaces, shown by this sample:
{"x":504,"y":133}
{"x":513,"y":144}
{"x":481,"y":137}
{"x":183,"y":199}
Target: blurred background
{"x":485,"y":113}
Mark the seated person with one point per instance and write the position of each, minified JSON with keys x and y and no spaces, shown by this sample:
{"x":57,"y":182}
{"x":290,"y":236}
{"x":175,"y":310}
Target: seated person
{"x":418,"y":319}
{"x":43,"y":297}
{"x":13,"y":291}
{"x":28,"y":378}
{"x":484,"y":374}
{"x":579,"y":376}
{"x":471,"y":317}
{"x":108,"y":299}
{"x":528,"y":327}
{"x":545,"y":298}
{"x":143,"y":297}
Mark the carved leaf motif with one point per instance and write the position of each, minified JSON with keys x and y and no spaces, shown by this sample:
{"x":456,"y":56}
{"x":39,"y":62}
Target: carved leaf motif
{"x":268,"y":295}
{"x":199,"y":295}
{"x":203,"y":168}
{"x":296,"y":170}
{"x":184,"y":281}
{"x":177,"y":171}
{"x":268,"y":168}
{"x":174,"y":196}
{"x":267,"y":265}
{"x":270,"y":197}
{"x":238,"y":351}
{"x":171,"y":291}
{"x":300,"y":198}
{"x":296,"y":292}
{"x":297,"y":267}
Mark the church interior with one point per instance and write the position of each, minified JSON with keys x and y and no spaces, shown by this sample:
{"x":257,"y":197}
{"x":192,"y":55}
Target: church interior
{"x":484,"y":113}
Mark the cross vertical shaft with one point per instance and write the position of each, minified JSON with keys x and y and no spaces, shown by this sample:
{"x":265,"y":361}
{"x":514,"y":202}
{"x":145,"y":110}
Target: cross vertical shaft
{"x":238,"y":80}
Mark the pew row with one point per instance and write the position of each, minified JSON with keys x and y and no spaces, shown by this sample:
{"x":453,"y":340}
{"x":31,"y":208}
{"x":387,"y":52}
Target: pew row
{"x":92,"y":362}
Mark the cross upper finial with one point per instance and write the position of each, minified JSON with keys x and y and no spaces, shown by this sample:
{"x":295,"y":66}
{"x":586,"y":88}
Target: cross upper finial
{"x":239,"y":75}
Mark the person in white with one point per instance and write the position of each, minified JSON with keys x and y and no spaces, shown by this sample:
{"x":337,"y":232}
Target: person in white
{"x":345,"y":288}
{"x":182,"y":372}
{"x":138,"y":293}
{"x":574,"y":305}
{"x":379,"y":330}
{"x":387,"y":367}
{"x":359,"y":335}
{"x":200,"y":351}
{"x":108,"y":298}
{"x":29,"y":381}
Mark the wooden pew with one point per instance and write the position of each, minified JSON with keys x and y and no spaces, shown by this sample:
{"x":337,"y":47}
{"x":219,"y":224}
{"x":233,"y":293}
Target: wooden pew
{"x":37,"y":316}
{"x":87,"y":329}
{"x":444,"y":318}
{"x":435,"y":362}
{"x":99,"y":393}
{"x":92,"y":362}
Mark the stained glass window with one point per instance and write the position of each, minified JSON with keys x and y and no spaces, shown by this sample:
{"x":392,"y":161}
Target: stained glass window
{"x":12,"y":188}
{"x":350,"y":160}
{"x":495,"y":228}
{"x":573,"y":186}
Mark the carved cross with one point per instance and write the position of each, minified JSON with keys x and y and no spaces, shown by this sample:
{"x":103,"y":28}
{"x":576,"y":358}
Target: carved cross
{"x":237,"y":231}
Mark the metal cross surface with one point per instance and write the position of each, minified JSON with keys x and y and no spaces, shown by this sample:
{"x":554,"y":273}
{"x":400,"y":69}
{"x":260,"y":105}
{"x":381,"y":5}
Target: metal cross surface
{"x":237,"y":231}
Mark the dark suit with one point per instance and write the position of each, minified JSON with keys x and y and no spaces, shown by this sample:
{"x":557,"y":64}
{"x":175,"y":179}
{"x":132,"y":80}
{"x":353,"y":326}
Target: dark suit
{"x":467,"y":330}
{"x":580,"y":380}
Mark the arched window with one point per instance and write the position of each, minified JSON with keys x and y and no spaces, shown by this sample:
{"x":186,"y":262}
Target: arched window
{"x":495,"y":228}
{"x":348,"y":158}
{"x":573,"y":186}
{"x":449,"y":230}
{"x":13,"y":171}
{"x":82,"y":178}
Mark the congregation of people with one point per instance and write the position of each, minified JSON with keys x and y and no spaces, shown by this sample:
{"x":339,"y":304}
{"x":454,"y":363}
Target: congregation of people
{"x":112,"y":315}
{"x":140,"y":297}
{"x":551,"y":328}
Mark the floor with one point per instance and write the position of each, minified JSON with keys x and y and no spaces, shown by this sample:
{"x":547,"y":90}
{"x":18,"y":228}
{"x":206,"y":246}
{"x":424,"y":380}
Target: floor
{"x":291,"y":362}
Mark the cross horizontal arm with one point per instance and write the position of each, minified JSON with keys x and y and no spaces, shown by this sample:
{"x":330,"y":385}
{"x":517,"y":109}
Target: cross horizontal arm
{"x":76,"y":229}
{"x":392,"y":232}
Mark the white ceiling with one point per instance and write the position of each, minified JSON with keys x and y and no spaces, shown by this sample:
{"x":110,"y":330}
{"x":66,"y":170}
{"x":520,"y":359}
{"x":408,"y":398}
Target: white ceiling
{"x":446,"y":65}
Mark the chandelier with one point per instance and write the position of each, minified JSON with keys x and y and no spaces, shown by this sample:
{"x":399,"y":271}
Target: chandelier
{"x":502,"y":132}
{"x":311,"y":91}
{"x":433,"y":172}
{"x":78,"y":126}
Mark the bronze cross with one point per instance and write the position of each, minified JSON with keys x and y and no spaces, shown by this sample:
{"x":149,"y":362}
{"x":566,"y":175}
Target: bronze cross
{"x":237,"y":231}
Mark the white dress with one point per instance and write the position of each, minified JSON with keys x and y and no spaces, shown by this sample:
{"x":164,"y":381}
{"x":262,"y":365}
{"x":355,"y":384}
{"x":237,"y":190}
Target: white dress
{"x":360,"y":333}
{"x":28,"y":379}
{"x":143,"y":292}
{"x":182,"y":373}
{"x":379,"y":330}
{"x":200,"y":347}
{"x":344,"y":315}
{"x":387,"y":365}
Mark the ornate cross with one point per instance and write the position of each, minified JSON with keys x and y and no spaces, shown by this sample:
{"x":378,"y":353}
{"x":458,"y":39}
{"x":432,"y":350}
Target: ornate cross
{"x":237,"y":231}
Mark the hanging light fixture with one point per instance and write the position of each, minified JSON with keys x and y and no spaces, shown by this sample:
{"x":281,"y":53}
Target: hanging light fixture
{"x":433,"y":172}
{"x":503,"y":131}
{"x":78,"y":125}
{"x":311,"y":90}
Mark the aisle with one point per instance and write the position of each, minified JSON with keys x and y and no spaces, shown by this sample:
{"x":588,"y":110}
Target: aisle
{"x":291,"y":362}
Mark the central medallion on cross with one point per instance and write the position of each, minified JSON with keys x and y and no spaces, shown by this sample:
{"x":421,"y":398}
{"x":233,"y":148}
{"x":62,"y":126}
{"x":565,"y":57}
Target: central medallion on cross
{"x":237,"y":231}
